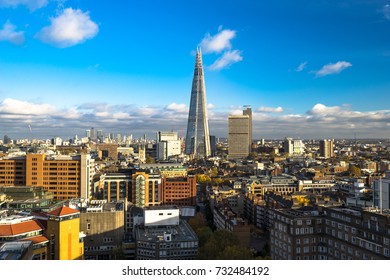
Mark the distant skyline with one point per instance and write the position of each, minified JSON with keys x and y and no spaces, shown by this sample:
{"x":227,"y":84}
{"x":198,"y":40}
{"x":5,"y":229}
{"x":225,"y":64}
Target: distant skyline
{"x":309,"y":69}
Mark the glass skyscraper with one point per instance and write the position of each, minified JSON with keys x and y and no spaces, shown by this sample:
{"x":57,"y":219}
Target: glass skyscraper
{"x":198,"y":136}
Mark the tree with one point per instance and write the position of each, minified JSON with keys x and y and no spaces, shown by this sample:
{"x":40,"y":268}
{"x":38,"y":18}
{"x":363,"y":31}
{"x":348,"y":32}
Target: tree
{"x":202,"y":179}
{"x":197,"y":222}
{"x":235,"y":252}
{"x":150,"y":159}
{"x":354,"y":171}
{"x":252,"y":155}
{"x":218,"y":241}
{"x":217,"y":181}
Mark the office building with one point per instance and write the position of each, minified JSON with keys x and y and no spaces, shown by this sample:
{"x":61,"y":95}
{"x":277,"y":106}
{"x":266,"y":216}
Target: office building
{"x":248,"y":112}
{"x":326,"y":148}
{"x":180,"y":191}
{"x":115,"y":187}
{"x":168,"y":145}
{"x":63,"y":232}
{"x":146,"y":189}
{"x":381,"y":192}
{"x":198,"y":137}
{"x":239,"y":136}
{"x":293,"y":147}
{"x":65,"y":176}
{"x":164,"y":236}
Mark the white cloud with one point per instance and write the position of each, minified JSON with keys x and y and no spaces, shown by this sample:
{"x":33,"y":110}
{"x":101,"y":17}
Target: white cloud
{"x":332,"y":68}
{"x":301,"y":67}
{"x":9,"y":34}
{"x":320,"y":109}
{"x":31,"y":4}
{"x":14,"y":109}
{"x":386,"y":11}
{"x":210,"y":106}
{"x":218,"y":42}
{"x":227,"y":59}
{"x":270,"y":109}
{"x":177,"y":107}
{"x":70,"y":28}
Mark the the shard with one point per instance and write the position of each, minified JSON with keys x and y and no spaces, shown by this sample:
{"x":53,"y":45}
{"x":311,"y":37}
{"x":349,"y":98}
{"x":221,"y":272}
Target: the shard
{"x":198,"y":136}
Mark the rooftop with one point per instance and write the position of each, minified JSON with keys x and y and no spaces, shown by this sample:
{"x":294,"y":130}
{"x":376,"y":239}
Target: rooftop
{"x":179,"y":233}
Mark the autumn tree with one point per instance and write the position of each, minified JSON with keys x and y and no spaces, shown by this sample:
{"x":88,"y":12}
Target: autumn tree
{"x":354,"y":171}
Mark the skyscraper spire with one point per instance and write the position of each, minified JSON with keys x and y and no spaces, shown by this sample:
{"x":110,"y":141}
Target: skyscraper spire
{"x":198,"y":136}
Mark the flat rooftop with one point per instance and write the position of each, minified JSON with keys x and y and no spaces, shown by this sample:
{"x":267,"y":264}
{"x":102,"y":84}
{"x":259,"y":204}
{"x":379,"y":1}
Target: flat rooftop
{"x":179,"y":233}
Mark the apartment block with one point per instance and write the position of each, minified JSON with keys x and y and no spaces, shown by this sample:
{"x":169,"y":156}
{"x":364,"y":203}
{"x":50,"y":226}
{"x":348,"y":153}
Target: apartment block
{"x":225,"y":219}
{"x":330,"y":233}
{"x":65,"y":176}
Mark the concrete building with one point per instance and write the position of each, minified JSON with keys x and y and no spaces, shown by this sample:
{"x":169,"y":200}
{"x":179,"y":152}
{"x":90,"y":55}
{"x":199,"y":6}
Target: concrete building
{"x":326,"y":148}
{"x":381,"y":192}
{"x":108,"y":151}
{"x":164,"y":236}
{"x":103,"y":225}
{"x":168,"y":145}
{"x":65,"y":176}
{"x":248,"y":112}
{"x":239,"y":136}
{"x":293,"y":147}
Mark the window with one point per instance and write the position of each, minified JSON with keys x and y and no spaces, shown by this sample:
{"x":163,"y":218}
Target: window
{"x":386,"y":252}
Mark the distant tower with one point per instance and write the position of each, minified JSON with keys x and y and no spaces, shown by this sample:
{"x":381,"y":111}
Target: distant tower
{"x":238,"y":136}
{"x":198,"y":136}
{"x":248,"y":112}
{"x":326,"y":148}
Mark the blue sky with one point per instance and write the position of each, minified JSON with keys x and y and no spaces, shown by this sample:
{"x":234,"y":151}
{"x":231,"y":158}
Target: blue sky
{"x":309,"y":69}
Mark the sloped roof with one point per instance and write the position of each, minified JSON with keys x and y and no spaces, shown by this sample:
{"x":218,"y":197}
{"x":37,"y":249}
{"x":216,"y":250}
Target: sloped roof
{"x":63,"y":211}
{"x":37,"y":239}
{"x":19,"y":228}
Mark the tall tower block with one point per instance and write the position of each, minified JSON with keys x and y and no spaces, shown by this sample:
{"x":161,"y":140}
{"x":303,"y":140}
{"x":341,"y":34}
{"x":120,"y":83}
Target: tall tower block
{"x":198,"y":136}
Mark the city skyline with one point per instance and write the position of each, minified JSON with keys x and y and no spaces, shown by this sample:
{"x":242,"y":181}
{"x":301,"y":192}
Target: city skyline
{"x":309,"y":70}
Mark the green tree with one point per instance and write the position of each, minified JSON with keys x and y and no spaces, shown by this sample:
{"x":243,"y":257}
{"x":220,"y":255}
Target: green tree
{"x":218,"y":241}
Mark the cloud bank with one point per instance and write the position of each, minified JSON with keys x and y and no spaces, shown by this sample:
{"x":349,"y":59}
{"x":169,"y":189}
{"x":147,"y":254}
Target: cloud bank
{"x":320,"y":121}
